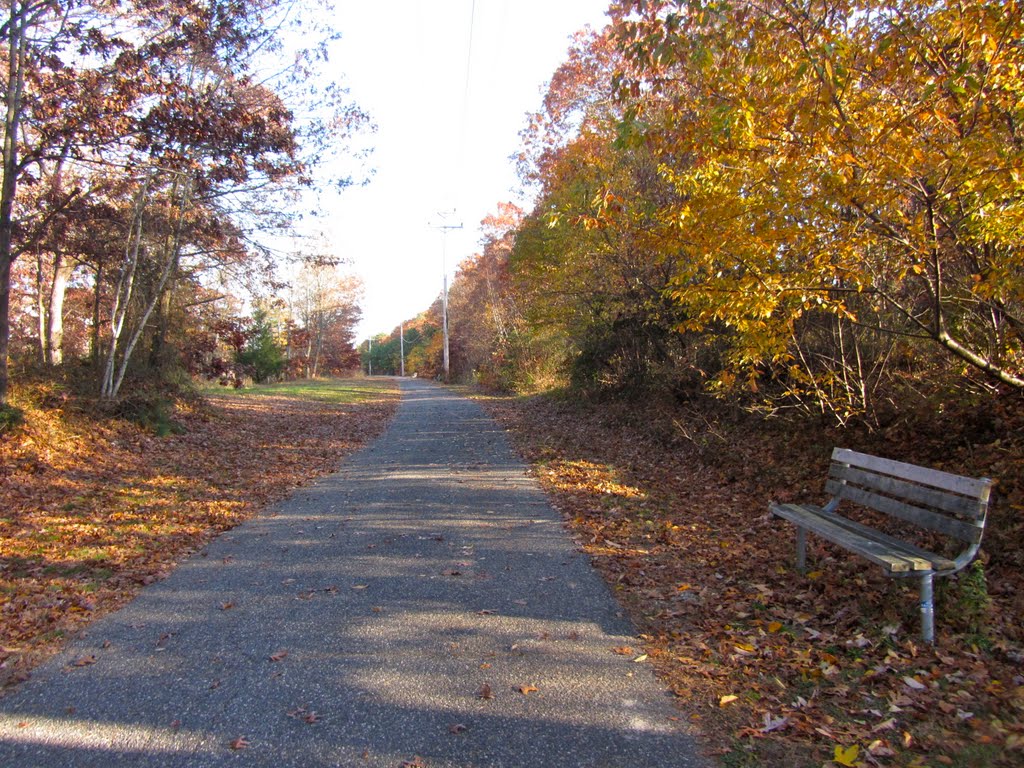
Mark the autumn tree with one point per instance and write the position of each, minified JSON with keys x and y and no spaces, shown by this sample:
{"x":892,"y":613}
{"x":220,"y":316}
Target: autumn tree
{"x":486,"y":320}
{"x":39,"y":41}
{"x":325,"y":303}
{"x":847,"y":179}
{"x":145,"y":104}
{"x":592,"y":261}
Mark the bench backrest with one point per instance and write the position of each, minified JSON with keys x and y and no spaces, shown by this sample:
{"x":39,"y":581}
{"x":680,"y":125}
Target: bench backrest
{"x":929,"y":498}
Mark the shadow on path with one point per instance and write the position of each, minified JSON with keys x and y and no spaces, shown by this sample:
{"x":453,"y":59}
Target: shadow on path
{"x":422,"y":606}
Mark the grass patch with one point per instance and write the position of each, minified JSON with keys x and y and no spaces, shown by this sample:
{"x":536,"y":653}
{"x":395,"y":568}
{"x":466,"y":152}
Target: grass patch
{"x":10,"y":418}
{"x":335,"y":391}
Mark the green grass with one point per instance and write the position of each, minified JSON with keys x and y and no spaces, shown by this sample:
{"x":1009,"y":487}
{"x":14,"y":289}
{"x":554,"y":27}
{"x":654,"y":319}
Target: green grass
{"x":337,"y":391}
{"x":10,"y":417}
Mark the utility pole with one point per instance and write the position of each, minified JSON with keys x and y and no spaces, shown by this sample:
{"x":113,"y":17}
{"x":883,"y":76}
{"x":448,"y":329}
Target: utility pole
{"x":369,"y":356}
{"x":401,"y":347}
{"x":444,"y":292}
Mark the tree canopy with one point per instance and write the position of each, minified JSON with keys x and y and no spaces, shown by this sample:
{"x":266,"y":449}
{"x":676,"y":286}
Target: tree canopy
{"x":146,"y":148}
{"x":795,"y":204}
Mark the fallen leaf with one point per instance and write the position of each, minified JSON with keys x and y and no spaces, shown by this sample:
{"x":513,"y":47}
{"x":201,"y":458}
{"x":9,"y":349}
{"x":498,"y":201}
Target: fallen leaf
{"x":527,"y":689}
{"x":774,"y":626}
{"x":624,"y":650}
{"x":84,"y":661}
{"x":878,"y":748}
{"x":914,"y":683}
{"x":485,"y":692}
{"x":227,"y":606}
{"x":240,"y":743}
{"x":846,"y":755}
{"x":727,"y":699}
{"x":279,"y":655}
{"x":457,"y":728}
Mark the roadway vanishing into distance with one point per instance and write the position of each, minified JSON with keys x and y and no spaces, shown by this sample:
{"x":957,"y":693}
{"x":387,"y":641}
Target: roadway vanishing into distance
{"x":423,"y":606}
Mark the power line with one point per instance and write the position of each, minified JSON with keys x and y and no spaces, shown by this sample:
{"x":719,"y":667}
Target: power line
{"x":460,"y":168}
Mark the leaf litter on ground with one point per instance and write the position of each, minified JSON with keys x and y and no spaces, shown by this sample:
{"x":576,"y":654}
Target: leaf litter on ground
{"x":771,"y":666}
{"x":96,"y":508}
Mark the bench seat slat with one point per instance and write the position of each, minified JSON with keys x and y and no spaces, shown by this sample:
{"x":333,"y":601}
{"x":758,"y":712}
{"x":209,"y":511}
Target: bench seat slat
{"x":964,"y":506}
{"x":924,"y":518}
{"x":965,"y":486}
{"x":939,"y":563}
{"x":895,"y":556}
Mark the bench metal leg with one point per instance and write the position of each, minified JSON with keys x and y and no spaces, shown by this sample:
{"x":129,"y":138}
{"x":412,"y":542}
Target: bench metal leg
{"x":927,"y":610}
{"x":801,"y":549}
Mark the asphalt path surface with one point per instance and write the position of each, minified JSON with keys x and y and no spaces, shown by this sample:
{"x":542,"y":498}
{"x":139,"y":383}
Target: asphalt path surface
{"x":423,"y":606}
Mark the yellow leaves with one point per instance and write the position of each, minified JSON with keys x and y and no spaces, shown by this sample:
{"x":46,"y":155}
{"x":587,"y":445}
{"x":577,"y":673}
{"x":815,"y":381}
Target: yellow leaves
{"x":808,"y":152}
{"x":846,"y":756}
{"x":727,"y":700}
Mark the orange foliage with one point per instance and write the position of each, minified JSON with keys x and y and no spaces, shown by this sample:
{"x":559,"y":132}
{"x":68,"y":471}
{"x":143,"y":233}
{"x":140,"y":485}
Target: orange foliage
{"x":93,"y":510}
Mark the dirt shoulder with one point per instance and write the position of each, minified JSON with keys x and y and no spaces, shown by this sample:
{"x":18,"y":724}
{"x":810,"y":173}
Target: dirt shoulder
{"x":775,"y":667}
{"x":94,"y":509}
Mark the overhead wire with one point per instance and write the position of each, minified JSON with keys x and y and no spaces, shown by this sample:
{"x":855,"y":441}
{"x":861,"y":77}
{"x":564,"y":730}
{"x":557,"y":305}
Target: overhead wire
{"x":460,"y":174}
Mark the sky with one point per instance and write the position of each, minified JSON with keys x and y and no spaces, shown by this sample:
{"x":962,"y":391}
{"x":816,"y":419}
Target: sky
{"x":444,"y":141}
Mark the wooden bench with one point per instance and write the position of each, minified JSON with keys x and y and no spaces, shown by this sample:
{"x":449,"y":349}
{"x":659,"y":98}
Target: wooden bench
{"x":938,"y":502}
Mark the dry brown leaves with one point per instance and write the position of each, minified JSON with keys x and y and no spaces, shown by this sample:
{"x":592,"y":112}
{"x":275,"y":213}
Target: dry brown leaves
{"x":775,"y":668}
{"x":92,"y":510}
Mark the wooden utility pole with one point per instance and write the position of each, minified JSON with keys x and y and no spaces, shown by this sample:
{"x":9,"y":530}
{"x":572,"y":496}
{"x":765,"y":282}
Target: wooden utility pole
{"x":444,"y":291}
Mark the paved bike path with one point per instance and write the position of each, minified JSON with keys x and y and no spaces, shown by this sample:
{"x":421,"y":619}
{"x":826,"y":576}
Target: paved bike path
{"x":423,"y":606}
